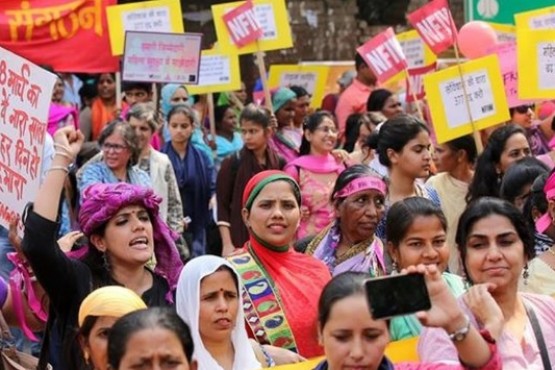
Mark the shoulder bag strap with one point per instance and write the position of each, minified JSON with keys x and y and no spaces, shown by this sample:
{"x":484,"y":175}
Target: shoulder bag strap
{"x":539,"y":337}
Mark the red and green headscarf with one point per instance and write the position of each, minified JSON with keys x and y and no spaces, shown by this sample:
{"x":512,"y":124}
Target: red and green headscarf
{"x":261,"y":179}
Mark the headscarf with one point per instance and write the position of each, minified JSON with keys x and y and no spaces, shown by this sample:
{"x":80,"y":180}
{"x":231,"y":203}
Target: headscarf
{"x":281,"y":97}
{"x":166,"y":94}
{"x":102,"y":201}
{"x":188,"y":308}
{"x":112,"y":300}
{"x":261,"y":179}
{"x":543,"y":223}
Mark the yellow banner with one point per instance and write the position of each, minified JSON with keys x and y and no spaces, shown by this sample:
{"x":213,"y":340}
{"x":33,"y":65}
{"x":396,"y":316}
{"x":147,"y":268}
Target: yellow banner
{"x":218,"y":72}
{"x":149,"y":16}
{"x":273,"y":18}
{"x":485,"y":94}
{"x":417,"y":52}
{"x":543,"y":18}
{"x":312,"y":77}
{"x":536,"y":64}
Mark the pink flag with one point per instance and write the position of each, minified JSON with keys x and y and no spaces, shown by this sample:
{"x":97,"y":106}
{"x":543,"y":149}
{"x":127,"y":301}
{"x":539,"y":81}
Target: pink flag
{"x":242,"y":25}
{"x":434,"y":23}
{"x":384,"y":55}
{"x":415,"y":82}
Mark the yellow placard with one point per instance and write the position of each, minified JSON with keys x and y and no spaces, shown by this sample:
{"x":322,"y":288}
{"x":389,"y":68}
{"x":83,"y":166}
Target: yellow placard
{"x":536,"y":64}
{"x":543,"y":18}
{"x":485,"y":95}
{"x":505,"y":32}
{"x":273,"y":18}
{"x":218,"y":72}
{"x":417,"y":52}
{"x":148,"y":16}
{"x":312,"y":77}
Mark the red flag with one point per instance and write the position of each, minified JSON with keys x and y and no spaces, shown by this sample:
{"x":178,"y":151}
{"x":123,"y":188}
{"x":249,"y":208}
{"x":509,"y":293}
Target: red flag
{"x":69,"y":36}
{"x":434,"y":23}
{"x":415,"y":82}
{"x":242,"y":25}
{"x":384,"y":55}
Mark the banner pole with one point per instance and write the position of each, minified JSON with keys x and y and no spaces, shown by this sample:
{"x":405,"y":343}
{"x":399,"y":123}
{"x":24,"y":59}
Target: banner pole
{"x":263,"y":77}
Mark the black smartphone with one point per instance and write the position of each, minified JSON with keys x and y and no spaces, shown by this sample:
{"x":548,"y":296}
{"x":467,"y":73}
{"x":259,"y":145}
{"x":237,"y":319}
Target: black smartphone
{"x":397,"y":295}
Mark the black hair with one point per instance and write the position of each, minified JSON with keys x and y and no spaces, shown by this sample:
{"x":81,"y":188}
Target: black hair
{"x":402,"y":214}
{"x":394,"y":134}
{"x":255,"y":114}
{"x":151,"y":318}
{"x":299,"y":91}
{"x":352,"y":130}
{"x":183,"y":109}
{"x":376,"y":99}
{"x":311,"y":123}
{"x":537,"y":200}
{"x":520,"y":175}
{"x":487,"y":206}
{"x":465,"y":143}
{"x":486,"y":178}
{"x":89,"y":90}
{"x":127,"y":134}
{"x":130,"y":85}
{"x":219,"y":113}
{"x":359,"y":61}
{"x":350,"y":174}
{"x":339,"y":287}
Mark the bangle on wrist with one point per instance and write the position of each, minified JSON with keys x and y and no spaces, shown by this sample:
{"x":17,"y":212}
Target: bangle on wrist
{"x":64,"y":154}
{"x":58,"y":168}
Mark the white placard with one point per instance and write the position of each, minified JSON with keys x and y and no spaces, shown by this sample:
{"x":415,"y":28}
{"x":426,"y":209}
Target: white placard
{"x":214,"y":70}
{"x":546,"y":65}
{"x":150,"y":20}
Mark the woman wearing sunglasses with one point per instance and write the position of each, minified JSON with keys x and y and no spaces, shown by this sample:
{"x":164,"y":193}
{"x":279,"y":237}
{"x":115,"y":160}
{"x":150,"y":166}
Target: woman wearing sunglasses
{"x":524,"y":116}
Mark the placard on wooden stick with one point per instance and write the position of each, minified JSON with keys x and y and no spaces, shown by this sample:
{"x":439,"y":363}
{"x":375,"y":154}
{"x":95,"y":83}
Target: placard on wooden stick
{"x":485,"y":96}
{"x":312,"y":77}
{"x":536,"y":64}
{"x":218,"y":72}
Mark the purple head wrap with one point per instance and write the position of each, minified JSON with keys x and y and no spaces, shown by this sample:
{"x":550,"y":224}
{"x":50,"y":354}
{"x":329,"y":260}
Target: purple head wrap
{"x":102,"y":201}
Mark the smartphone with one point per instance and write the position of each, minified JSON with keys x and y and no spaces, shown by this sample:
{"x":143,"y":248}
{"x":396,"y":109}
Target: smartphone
{"x":397,"y":295}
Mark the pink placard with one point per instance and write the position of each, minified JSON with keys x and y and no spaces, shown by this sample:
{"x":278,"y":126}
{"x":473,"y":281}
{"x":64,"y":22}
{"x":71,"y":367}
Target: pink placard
{"x":384,"y":55}
{"x":434,"y":23}
{"x":508,"y":63}
{"x":415,"y":82}
{"x":242,"y":25}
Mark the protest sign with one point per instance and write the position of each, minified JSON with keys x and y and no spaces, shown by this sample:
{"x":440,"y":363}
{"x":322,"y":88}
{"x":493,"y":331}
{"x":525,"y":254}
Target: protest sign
{"x":506,"y":53}
{"x":272,"y":17}
{"x":149,"y":16}
{"x":434,"y":23}
{"x":312,"y":77}
{"x":536,"y":19}
{"x":536,"y":63}
{"x":417,"y":52}
{"x":485,"y":95}
{"x":39,"y":30}
{"x":384,"y":55}
{"x":242,"y":24}
{"x":218,"y":72}
{"x":415,"y":82}
{"x":25,"y":94}
{"x":505,"y":32}
{"x":162,"y":57}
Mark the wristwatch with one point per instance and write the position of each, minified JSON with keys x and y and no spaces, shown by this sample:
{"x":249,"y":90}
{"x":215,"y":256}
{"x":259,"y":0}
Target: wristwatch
{"x":460,"y":334}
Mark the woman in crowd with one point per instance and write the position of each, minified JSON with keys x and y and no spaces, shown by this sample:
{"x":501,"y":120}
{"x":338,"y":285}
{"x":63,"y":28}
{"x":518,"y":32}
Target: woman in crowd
{"x":124,"y":230}
{"x":293,"y":281}
{"x":120,"y":153}
{"x":352,"y":339}
{"x":97,"y":314}
{"x":535,"y":214}
{"x":523,"y":116}
{"x":495,"y":246}
{"x":155,"y":338}
{"x":385,"y":102}
{"x":287,"y":139}
{"x":209,"y":300}
{"x":103,"y":109}
{"x":302,"y":108}
{"x":454,"y":162}
{"x":60,"y":113}
{"x":362,"y":152}
{"x":195,"y":177}
{"x":349,"y":243}
{"x":518,"y":180}
{"x":416,"y":234}
{"x":143,"y":119}
{"x":228,"y":140}
{"x":316,"y":171}
{"x":506,"y":145}
{"x":403,"y":146}
{"x":236,"y":170}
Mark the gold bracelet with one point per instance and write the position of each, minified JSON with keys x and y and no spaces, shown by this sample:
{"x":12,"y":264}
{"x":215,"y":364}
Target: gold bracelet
{"x":58,"y":168}
{"x":64,"y":154}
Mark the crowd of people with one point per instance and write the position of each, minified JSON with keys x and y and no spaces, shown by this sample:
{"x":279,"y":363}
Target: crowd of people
{"x":153,"y":244}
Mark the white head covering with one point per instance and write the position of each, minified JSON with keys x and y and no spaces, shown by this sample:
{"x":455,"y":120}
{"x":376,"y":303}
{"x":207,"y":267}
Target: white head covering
{"x":188,"y":307}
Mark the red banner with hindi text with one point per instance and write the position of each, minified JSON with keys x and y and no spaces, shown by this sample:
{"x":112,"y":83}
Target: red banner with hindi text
{"x":67,"y":35}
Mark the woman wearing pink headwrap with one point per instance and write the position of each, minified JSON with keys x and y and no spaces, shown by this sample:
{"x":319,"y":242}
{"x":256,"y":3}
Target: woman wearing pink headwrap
{"x":124,"y":230}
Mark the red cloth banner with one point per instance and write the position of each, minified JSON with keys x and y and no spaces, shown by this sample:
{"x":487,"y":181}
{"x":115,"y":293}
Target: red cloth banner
{"x":434,"y":23}
{"x":69,"y":36}
{"x":242,"y":25}
{"x":415,"y":82}
{"x":384,"y":55}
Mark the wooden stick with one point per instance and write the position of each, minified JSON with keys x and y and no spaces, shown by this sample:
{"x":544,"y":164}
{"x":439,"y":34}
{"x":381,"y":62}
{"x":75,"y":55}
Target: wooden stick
{"x":118,"y":90}
{"x":212,"y":123}
{"x":264,"y":78}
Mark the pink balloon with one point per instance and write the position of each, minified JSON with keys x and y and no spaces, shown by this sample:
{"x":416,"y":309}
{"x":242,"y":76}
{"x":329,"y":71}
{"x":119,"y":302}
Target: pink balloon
{"x":475,"y":38}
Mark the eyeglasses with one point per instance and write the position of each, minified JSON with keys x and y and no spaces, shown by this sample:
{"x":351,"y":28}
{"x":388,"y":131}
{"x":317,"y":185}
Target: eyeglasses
{"x":116,"y":148}
{"x":328,"y":129}
{"x":523,"y":109}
